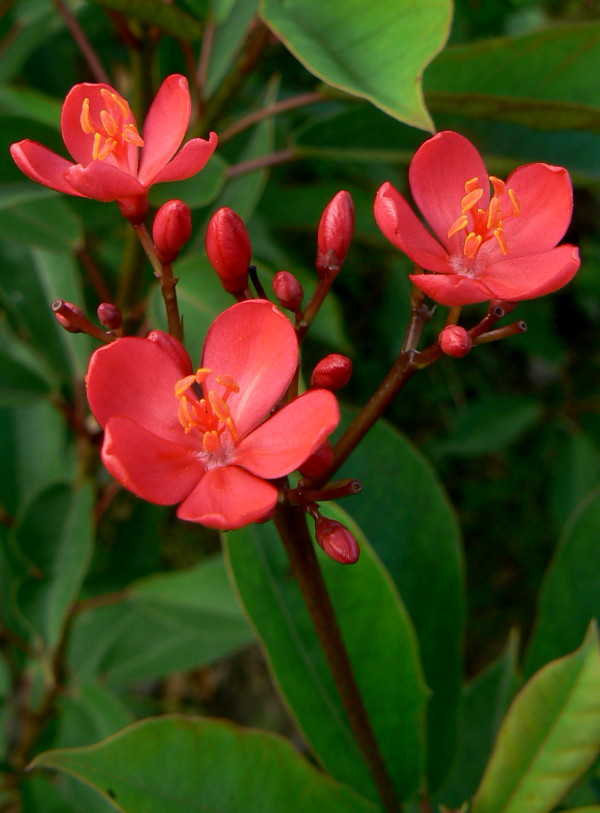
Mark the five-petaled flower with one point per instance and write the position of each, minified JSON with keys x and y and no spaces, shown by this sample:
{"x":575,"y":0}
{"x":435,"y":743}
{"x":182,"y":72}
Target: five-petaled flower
{"x":112,"y":160}
{"x":208,"y":440}
{"x":498,"y":246}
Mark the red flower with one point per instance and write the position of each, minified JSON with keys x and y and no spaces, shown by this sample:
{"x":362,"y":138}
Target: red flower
{"x":208,"y":440}
{"x":100,"y":132}
{"x":501,"y":246}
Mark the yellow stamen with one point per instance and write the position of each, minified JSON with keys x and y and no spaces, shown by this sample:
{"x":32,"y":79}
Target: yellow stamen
{"x":84,"y":119}
{"x":472,"y":243}
{"x":498,"y":185}
{"x":516,"y":205}
{"x":460,"y":223}
{"x":494,"y":213}
{"x":183,"y":385}
{"x":108,"y":122}
{"x":471,"y":199}
{"x":500,"y":236}
{"x":471,"y":185}
{"x":210,"y":441}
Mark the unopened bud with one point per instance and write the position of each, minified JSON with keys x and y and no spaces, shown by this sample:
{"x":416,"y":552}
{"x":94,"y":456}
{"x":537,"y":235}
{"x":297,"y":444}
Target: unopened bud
{"x":70,"y":316}
{"x":110,"y":316}
{"x":171,"y":229}
{"x":288,"y":291}
{"x":337,"y":541}
{"x":335,"y":234}
{"x":332,"y":372}
{"x":318,"y":462}
{"x":134,"y":208}
{"x":455,"y":341}
{"x":229,"y":250}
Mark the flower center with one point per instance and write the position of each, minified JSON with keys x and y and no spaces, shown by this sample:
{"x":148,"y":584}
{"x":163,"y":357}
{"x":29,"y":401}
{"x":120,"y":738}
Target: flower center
{"x":481,"y":225}
{"x":205,"y":411}
{"x":113,"y":131}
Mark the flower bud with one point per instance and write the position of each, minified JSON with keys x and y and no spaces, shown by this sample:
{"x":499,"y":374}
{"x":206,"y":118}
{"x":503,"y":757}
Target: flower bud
{"x":171,"y":229}
{"x":337,"y":541}
{"x":318,"y":462}
{"x":335,"y":234}
{"x":109,"y":316}
{"x":229,"y":250}
{"x":455,"y":341}
{"x":70,"y":316}
{"x":288,"y":291}
{"x":332,"y":372}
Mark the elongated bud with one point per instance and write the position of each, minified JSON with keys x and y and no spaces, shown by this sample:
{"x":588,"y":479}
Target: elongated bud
{"x":288,"y":291}
{"x":335,"y":234}
{"x":229,"y":250}
{"x":70,"y":316}
{"x":318,"y":462}
{"x":337,"y":541}
{"x":110,"y":316}
{"x":455,"y":341}
{"x":332,"y":372}
{"x":171,"y":229}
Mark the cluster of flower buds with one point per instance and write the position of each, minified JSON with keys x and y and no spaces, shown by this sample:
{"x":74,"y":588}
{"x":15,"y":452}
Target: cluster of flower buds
{"x":171,"y":230}
{"x":229,"y":249}
{"x":335,"y":234}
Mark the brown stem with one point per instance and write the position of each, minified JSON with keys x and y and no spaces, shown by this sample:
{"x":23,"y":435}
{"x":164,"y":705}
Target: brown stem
{"x":291,"y":525}
{"x":264,"y":161}
{"x":85,"y":46}
{"x":302,"y":100}
{"x":324,"y":284}
{"x":164,"y":273}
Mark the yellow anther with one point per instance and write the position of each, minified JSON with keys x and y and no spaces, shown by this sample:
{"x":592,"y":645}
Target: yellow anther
{"x":183,"y":385}
{"x":498,"y":185}
{"x":112,"y":100}
{"x":210,"y":440}
{"x":106,"y":149}
{"x":227,"y":382}
{"x":84,"y":119}
{"x":471,"y":185}
{"x":494,"y":213}
{"x":97,"y":146}
{"x":219,"y":406}
{"x":232,"y":430}
{"x":202,"y":374}
{"x":516,"y":204}
{"x":108,"y":122}
{"x":131,"y":135}
{"x":472,"y":199}
{"x":472,"y":243}
{"x":460,"y":223}
{"x":500,"y":236}
{"x":185,"y":417}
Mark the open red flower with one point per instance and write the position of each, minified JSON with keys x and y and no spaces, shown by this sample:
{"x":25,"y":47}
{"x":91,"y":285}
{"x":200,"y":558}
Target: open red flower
{"x":207,"y":440}
{"x":112,"y":160}
{"x":501,"y":245}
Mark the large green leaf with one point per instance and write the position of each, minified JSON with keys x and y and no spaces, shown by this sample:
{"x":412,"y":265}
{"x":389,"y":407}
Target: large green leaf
{"x":170,"y":764}
{"x":55,"y":539}
{"x":191,"y":617}
{"x":570,"y":595}
{"x":404,"y":510}
{"x":46,"y":222}
{"x":551,"y":734}
{"x":171,"y":20}
{"x":374,"y":50}
{"x":380,"y":642}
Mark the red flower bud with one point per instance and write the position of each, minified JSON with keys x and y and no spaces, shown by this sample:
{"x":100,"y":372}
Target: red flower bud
{"x":455,"y":341}
{"x":335,"y":234}
{"x":288,"y":290}
{"x":110,"y":316}
{"x":229,"y":250}
{"x":318,"y":462}
{"x":332,"y":372}
{"x":337,"y":541}
{"x":171,"y":229}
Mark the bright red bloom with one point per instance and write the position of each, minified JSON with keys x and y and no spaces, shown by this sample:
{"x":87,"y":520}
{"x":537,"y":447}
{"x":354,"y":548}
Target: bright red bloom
{"x":207,"y":440}
{"x":112,"y":160}
{"x":498,"y":246}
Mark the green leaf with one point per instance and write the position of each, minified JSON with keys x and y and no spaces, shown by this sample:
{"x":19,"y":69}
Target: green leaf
{"x":374,"y":50}
{"x":199,"y":190}
{"x":570,"y":594}
{"x":405,"y":511}
{"x":234,"y":18}
{"x":486,"y":79}
{"x":551,"y":734}
{"x":191,"y":617}
{"x":23,"y":375}
{"x":32,"y":26}
{"x":380,"y":642}
{"x":485,"y":700}
{"x":173,"y":21}
{"x":55,"y":539}
{"x":88,"y":714}
{"x":31,"y":104}
{"x":576,"y":474}
{"x":170,"y":764}
{"x":49,"y":224}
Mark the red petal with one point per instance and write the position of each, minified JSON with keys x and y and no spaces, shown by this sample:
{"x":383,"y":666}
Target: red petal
{"x":531,"y":276}
{"x":228,"y":498}
{"x":190,"y":159}
{"x":452,"y":289}
{"x":256,"y":345}
{"x":546,"y":199}
{"x":165,"y":126}
{"x":102,"y":181}
{"x":153,"y":468}
{"x":283,"y":442}
{"x":43,"y":166}
{"x":438,"y":173}
{"x":403,"y":228}
{"x":135,"y":378}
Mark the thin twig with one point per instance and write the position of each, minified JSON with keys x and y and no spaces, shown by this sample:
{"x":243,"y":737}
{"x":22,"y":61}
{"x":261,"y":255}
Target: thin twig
{"x":302,"y":100}
{"x":85,"y":46}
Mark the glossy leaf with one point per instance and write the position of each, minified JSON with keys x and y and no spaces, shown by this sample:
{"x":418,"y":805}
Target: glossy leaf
{"x":55,"y":539}
{"x":48,"y":223}
{"x":405,"y":512}
{"x":570,"y":594}
{"x":375,"y":50}
{"x":380,"y":642}
{"x":88,"y":714}
{"x":551,"y":734}
{"x":171,"y":20}
{"x":576,"y":474}
{"x":234,"y":18}
{"x":169,"y":764}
